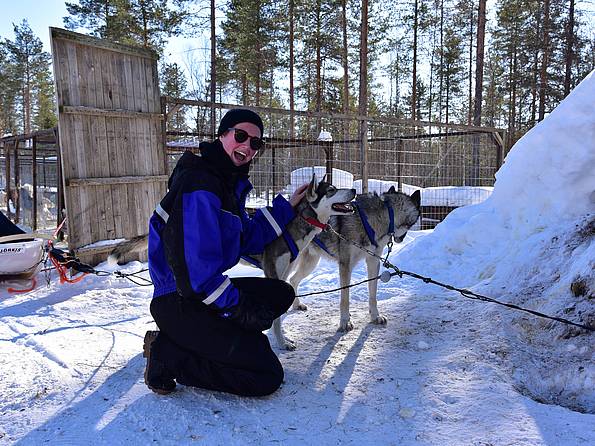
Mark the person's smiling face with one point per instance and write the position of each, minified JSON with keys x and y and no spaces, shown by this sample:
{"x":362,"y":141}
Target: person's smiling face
{"x":240,"y":152}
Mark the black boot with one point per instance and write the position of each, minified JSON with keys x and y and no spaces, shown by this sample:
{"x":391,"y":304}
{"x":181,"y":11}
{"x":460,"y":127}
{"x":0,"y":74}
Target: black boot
{"x":157,"y":378}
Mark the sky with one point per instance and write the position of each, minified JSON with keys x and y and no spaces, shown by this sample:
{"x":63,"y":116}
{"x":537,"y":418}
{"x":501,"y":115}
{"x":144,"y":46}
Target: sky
{"x":444,"y":371}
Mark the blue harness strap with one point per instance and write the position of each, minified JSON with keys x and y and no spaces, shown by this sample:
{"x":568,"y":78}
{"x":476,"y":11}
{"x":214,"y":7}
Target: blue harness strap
{"x":252,"y":261}
{"x":293,"y":250}
{"x":391,"y":218}
{"x":369,"y":231}
{"x":322,"y":246}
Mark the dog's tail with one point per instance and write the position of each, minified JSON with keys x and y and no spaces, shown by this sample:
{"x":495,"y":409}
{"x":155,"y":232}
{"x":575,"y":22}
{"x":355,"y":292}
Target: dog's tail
{"x":135,"y":244}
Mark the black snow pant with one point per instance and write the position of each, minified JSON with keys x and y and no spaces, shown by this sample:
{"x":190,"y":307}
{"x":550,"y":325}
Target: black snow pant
{"x":202,"y":349}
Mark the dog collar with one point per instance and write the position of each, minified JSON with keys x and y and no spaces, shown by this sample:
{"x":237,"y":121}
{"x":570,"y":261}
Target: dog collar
{"x":315,"y":222}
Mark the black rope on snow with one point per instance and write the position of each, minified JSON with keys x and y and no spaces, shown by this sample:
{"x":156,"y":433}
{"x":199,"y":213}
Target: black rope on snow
{"x":464,"y":292}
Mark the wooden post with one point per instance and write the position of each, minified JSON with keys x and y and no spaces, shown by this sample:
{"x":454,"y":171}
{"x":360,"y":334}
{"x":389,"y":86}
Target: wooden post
{"x":364,"y":153}
{"x":164,"y":130}
{"x":328,"y":151}
{"x":7,"y":187}
{"x":60,"y":180}
{"x":399,"y":164}
{"x":34,"y":167}
{"x":17,"y":180}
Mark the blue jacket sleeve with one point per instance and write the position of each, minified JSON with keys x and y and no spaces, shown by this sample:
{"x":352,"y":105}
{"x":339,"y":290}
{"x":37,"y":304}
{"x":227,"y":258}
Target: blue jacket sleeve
{"x":265,"y":226}
{"x":203,"y":249}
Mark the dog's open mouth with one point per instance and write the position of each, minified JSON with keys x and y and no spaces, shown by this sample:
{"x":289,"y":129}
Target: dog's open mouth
{"x":346,"y":208}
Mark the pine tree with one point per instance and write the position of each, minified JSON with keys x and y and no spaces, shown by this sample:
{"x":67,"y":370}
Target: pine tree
{"x":148,"y":23}
{"x":8,"y":94}
{"x":30,"y":73}
{"x":249,"y":48}
{"x":174,"y":84}
{"x":107,"y":19}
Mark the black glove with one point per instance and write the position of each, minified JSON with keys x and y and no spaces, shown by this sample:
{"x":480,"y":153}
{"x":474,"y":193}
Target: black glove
{"x":250,"y":314}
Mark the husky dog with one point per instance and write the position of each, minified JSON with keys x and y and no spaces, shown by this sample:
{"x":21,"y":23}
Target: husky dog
{"x":368,"y":225}
{"x":135,"y":244}
{"x":321,"y":202}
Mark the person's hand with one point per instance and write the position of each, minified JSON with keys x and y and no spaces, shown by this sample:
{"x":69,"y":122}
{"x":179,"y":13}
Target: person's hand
{"x":299,"y":193}
{"x":250,"y":315}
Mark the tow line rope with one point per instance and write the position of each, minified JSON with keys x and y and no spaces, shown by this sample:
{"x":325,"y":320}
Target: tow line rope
{"x":386,"y":276}
{"x":62,"y":262}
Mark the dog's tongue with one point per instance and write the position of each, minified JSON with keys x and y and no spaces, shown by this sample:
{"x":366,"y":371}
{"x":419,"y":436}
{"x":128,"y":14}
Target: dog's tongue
{"x":342,"y":207}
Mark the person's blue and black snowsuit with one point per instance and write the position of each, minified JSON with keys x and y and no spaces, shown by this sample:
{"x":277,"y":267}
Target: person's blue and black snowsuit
{"x":210,"y":325}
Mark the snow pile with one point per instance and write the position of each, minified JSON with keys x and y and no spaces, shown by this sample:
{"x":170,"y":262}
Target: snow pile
{"x":341,"y":178}
{"x":532,"y":243}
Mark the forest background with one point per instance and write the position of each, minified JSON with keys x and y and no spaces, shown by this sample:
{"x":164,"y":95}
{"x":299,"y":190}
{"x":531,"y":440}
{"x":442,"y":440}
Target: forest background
{"x":504,"y":63}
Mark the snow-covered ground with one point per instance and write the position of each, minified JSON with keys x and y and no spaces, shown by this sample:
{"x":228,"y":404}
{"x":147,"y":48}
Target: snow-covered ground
{"x":444,"y":371}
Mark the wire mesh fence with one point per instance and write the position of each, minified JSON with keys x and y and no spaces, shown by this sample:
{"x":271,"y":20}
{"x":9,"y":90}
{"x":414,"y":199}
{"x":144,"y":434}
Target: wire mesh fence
{"x":29,"y":180}
{"x":452,"y":165}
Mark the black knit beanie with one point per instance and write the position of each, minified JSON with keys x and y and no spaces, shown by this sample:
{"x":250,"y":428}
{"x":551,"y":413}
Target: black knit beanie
{"x":237,"y":115}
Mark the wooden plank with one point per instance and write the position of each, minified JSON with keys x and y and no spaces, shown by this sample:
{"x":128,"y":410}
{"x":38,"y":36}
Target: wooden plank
{"x":105,"y":79}
{"x":83,"y":182}
{"x":86,"y":110}
{"x":69,"y":36}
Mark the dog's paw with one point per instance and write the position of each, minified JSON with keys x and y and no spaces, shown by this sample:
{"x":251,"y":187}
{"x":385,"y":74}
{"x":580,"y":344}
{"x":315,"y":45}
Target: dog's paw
{"x":379,"y":320}
{"x":345,"y":326}
{"x":289,"y":345}
{"x":298,"y":305}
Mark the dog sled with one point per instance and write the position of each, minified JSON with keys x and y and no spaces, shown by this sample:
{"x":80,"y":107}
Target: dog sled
{"x":23,"y":255}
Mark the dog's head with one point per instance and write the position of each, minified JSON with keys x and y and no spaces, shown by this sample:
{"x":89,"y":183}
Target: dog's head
{"x":406,"y":210}
{"x":326,"y":200}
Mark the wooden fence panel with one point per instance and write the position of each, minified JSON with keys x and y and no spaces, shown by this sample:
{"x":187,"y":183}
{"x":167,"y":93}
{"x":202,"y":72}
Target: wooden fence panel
{"x":109,"y":121}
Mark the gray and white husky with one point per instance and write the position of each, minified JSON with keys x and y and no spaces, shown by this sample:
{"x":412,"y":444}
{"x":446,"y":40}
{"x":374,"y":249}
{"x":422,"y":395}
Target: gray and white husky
{"x":405,"y":209}
{"x":321,"y":202}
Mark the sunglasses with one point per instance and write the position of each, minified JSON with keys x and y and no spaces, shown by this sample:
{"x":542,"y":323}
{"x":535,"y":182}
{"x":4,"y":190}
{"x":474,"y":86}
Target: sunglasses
{"x":242,"y":135}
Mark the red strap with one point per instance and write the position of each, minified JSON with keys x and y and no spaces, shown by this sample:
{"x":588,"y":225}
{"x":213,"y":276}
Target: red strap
{"x":26,"y":290}
{"x":315,"y":222}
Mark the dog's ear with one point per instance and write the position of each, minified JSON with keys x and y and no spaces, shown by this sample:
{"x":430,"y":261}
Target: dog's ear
{"x":311,"y":192}
{"x":391,"y":190}
{"x":416,"y":197}
{"x":324,"y":178}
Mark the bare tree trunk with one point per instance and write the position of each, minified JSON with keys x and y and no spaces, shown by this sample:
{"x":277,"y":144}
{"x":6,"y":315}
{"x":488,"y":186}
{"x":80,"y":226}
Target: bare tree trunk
{"x":244,"y":88}
{"x":481,"y":25}
{"x":513,"y":91}
{"x":27,"y":101}
{"x":470,"y":71}
{"x":569,"y":48}
{"x":545,"y":59}
{"x":318,"y":59}
{"x":291,"y":63}
{"x":363,"y":93}
{"x":344,"y":58}
{"x":213,"y":87}
{"x":145,"y":26}
{"x":414,"y":74}
{"x":440,"y":88}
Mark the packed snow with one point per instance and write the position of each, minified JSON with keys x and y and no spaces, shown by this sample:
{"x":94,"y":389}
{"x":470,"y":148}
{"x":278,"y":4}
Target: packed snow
{"x":445,"y":370}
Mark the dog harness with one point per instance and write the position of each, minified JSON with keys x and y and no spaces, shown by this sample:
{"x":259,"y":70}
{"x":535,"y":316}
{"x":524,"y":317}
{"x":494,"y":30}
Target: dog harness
{"x":293,"y":249}
{"x":367,"y":227}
